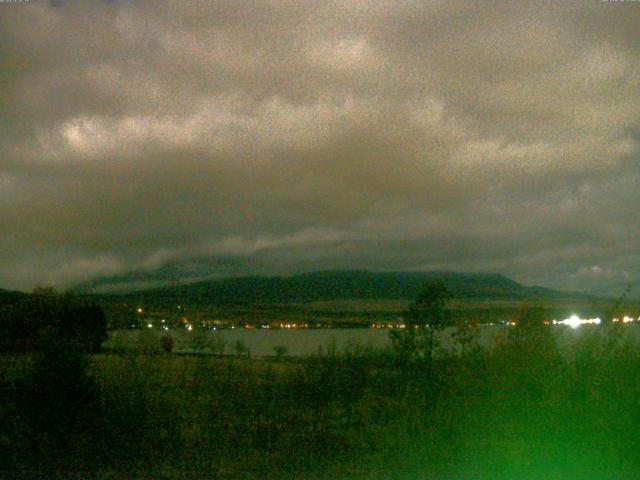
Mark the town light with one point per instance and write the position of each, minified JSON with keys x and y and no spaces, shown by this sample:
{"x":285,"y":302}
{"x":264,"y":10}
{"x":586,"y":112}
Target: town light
{"x":574,"y":321}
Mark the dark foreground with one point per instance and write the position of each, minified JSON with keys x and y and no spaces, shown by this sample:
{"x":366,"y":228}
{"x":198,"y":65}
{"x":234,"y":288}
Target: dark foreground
{"x":520,"y":411}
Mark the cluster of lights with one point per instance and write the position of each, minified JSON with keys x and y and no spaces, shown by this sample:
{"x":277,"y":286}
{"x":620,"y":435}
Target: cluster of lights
{"x":164,"y":327}
{"x":574,"y":321}
{"x":387,"y":325}
{"x":625,"y":319}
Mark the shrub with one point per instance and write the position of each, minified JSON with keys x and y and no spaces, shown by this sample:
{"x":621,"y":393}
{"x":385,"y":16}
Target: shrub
{"x":167,"y":343}
{"x":280,"y":351}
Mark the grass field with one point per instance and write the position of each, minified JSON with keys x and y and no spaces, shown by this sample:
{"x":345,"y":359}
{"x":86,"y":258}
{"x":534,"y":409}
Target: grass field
{"x":520,"y":411}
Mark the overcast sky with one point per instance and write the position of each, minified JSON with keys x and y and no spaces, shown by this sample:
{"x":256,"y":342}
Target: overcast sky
{"x":304,"y":135}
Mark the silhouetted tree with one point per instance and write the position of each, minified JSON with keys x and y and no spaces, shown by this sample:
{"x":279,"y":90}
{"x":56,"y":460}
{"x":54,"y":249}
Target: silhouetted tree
{"x":200,"y":340}
{"x":466,"y":334}
{"x":218,"y":344}
{"x":240,"y":347}
{"x":45,"y":315}
{"x":60,"y":392}
{"x":422,"y":319}
{"x":530,"y":331}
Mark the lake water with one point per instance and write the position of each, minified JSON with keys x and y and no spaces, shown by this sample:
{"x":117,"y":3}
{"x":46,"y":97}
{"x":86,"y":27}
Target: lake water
{"x":310,"y":341}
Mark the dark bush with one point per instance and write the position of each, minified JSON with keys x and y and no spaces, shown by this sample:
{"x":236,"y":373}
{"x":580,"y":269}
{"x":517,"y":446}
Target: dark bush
{"x":167,"y":343}
{"x":41,"y":317}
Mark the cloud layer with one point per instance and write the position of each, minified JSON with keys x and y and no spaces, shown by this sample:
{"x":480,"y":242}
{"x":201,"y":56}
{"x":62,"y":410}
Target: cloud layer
{"x":303,"y":135}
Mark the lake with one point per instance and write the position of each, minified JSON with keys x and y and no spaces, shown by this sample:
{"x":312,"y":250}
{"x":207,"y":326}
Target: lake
{"x":310,"y":341}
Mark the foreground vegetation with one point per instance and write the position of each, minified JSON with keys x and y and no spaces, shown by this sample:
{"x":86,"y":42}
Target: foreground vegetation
{"x":521,"y":411}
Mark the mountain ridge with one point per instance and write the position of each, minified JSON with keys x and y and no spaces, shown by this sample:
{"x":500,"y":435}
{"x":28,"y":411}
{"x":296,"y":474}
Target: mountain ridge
{"x":341,"y":285}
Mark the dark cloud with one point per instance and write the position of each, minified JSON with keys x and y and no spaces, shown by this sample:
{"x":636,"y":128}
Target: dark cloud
{"x":301,"y":135}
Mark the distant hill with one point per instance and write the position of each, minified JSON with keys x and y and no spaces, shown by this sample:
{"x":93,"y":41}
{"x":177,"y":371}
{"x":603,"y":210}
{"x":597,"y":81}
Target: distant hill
{"x":340,"y":285}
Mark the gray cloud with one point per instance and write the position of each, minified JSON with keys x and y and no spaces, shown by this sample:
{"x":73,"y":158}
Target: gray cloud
{"x":301,"y":135}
